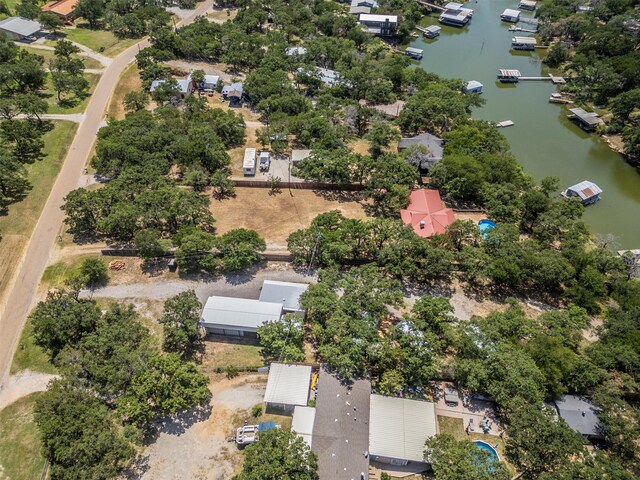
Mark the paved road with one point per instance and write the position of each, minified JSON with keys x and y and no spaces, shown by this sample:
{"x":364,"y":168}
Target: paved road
{"x":24,"y":285}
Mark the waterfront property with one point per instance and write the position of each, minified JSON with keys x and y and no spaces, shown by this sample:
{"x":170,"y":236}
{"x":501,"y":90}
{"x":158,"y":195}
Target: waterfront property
{"x":249,"y":162}
{"x":510,"y":15}
{"x":474,"y":86}
{"x":433,"y":144}
{"x":237,"y":317}
{"x":432,"y":31}
{"x":398,"y":430}
{"x":458,"y":6}
{"x":415,"y":53}
{"x":587,"y":191}
{"x":21,"y":29}
{"x":287,"y":386}
{"x":509,"y":75}
{"x":454,"y":18}
{"x":527,"y":4}
{"x":380,"y":25}
{"x":588,"y":121}
{"x":523,"y":43}
{"x":580,"y":414}
{"x":427,"y":214}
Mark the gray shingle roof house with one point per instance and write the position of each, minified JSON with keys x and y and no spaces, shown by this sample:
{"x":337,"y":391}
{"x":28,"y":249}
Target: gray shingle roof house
{"x":19,"y":28}
{"x":341,"y":428}
{"x":431,"y":142}
{"x":580,"y":414}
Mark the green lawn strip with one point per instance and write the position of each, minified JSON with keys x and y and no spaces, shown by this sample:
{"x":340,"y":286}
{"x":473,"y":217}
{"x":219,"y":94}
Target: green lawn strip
{"x":29,"y":356}
{"x":20,"y":452}
{"x":100,"y":41}
{"x":73,"y":105}
{"x":23,"y":216}
{"x":237,"y":354}
{"x":49,"y":54}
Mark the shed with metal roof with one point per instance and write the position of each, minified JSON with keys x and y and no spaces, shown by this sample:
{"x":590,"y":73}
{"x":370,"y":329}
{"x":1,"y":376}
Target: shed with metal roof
{"x":302,"y":424}
{"x":19,"y":28}
{"x":237,"y":316}
{"x":287,"y":386}
{"x":399,"y":428}
{"x":285,"y":293}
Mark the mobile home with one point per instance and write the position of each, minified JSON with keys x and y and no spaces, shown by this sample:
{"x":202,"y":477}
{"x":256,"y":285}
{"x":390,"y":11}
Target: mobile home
{"x":249,"y":163}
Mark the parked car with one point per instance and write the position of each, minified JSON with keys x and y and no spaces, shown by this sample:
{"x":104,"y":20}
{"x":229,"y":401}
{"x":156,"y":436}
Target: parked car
{"x":265,"y":161}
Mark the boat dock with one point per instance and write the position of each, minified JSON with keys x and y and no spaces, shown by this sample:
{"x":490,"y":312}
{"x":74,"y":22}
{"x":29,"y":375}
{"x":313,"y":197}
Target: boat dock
{"x":554,"y":79}
{"x":513,"y":28}
{"x":506,"y":123}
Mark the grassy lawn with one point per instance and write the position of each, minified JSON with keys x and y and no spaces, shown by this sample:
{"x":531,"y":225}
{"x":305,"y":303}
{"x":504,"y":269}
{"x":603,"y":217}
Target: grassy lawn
{"x":129,"y":81}
{"x":20,"y":454}
{"x":451,"y":426}
{"x":101,"y":41}
{"x":49,"y":55}
{"x":73,"y":105}
{"x":16,"y":227}
{"x":221,"y":352}
{"x":29,"y":356}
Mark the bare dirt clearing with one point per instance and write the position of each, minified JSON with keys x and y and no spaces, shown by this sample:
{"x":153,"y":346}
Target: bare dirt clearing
{"x":274,"y":217}
{"x":198,"y":448}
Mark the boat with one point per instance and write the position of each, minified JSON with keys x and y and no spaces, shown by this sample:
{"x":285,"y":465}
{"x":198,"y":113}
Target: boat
{"x":508,"y":75}
{"x":505,"y":123}
{"x":557,"y":98}
{"x":247,"y":434}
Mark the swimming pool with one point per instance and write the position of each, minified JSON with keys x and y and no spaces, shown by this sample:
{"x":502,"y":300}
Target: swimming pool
{"x":488,"y":448}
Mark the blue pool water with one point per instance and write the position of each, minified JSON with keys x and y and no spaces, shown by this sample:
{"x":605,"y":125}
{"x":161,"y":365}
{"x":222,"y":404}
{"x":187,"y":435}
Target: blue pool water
{"x":485,"y":446}
{"x":485,"y":225}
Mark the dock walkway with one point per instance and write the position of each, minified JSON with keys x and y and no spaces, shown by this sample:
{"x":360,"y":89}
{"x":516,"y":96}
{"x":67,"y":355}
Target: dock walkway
{"x":554,"y":79}
{"x":430,"y":5}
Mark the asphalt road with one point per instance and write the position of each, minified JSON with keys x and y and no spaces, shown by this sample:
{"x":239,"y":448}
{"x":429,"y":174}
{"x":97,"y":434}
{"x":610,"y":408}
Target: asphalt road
{"x":24,"y":284}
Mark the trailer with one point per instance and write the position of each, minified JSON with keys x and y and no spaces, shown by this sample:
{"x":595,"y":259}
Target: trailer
{"x":249,"y":162}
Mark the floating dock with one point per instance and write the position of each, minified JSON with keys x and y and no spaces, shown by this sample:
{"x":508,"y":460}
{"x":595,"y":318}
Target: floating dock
{"x":513,"y":28}
{"x":505,"y":123}
{"x":554,"y":79}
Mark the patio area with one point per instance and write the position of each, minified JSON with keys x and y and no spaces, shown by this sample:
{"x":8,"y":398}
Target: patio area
{"x":473,"y":412}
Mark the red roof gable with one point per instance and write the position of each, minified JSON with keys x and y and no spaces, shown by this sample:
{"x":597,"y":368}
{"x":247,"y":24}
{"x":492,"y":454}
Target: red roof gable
{"x":427,"y":214}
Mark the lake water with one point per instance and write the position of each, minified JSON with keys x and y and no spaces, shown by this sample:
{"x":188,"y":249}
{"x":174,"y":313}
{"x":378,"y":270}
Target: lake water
{"x":543,"y":139}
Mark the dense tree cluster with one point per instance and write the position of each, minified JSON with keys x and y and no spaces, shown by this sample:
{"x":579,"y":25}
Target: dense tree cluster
{"x":22,"y":76}
{"x":112,"y":376}
{"x":600,"y":48}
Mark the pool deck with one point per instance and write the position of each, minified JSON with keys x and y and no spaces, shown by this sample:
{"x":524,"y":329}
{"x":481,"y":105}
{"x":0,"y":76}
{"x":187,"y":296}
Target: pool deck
{"x":468,"y":409}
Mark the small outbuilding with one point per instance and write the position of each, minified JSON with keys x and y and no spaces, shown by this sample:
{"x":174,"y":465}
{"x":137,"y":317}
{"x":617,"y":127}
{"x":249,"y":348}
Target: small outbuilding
{"x":21,"y":29}
{"x":299,"y":155}
{"x":580,"y":414}
{"x":432,"y":31}
{"x":210,"y":83}
{"x":285,"y":293}
{"x":234,"y":93}
{"x":302,"y":424}
{"x":237,"y":317}
{"x":249,"y":162}
{"x":587,"y":191}
{"x":415,"y":53}
{"x":288,"y":386}
{"x":398,"y":430}
{"x":474,"y":86}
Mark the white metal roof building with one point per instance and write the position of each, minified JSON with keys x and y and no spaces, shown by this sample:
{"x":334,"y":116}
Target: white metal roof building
{"x":19,"y":28}
{"x":378,"y":18}
{"x":586,"y":190}
{"x":303,"y":418}
{"x":473,"y":86}
{"x":288,"y":386}
{"x":237,"y":316}
{"x":398,"y":429}
{"x":249,"y":162}
{"x":286,"y":294}
{"x":510,"y":15}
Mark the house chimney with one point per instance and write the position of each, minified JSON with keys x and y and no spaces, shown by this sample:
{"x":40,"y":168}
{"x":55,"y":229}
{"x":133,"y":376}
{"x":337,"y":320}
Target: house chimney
{"x":421,"y":224}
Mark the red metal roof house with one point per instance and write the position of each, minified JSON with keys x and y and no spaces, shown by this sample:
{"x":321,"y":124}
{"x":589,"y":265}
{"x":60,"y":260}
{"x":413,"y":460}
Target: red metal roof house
{"x":427,"y":214}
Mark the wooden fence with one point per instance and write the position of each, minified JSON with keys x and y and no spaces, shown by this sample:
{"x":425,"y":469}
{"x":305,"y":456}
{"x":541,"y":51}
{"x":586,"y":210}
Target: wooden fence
{"x":298,"y":185}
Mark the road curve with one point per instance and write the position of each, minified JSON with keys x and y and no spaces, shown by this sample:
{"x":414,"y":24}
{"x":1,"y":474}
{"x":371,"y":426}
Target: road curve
{"x":23,"y":286}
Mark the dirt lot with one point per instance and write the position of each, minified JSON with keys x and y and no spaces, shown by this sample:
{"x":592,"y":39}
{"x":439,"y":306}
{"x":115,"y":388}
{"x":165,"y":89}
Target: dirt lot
{"x":196,"y":446}
{"x":274,"y":217}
